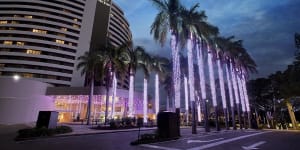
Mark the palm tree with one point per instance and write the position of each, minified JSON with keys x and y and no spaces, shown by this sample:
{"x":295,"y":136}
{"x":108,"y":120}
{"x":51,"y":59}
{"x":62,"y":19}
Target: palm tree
{"x":132,"y":58}
{"x":91,"y":66}
{"x":159,"y":66}
{"x":168,"y":20}
{"x":112,"y":59}
{"x":146,"y":66}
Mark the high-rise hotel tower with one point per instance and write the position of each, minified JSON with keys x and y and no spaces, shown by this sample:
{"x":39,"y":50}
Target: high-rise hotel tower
{"x":41,"y":39}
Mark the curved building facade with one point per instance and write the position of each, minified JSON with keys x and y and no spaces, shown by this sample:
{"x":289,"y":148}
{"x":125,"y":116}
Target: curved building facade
{"x":41,"y":39}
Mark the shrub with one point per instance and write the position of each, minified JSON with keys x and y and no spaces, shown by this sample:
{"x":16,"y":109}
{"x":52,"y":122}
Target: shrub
{"x":40,"y":132}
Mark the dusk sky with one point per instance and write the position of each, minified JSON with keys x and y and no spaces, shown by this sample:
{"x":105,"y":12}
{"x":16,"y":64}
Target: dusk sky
{"x":266,"y":27}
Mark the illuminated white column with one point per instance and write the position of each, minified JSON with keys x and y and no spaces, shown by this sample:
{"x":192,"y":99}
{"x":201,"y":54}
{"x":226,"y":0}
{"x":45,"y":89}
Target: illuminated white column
{"x":245,"y":94}
{"x":156,"y":93}
{"x":114,"y":88}
{"x":186,"y":97}
{"x":221,"y":81}
{"x":229,"y":85}
{"x":236,"y":93}
{"x":241,"y":93}
{"x":145,"y":101}
{"x":130,"y":98}
{"x":211,"y":78}
{"x":201,"y":71}
{"x":199,"y":112}
{"x":176,"y":69}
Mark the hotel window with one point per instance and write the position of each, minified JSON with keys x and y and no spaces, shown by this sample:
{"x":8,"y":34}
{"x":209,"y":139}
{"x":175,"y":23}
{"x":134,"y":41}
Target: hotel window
{"x":60,"y":41}
{"x":20,"y":43}
{"x":28,"y":17}
{"x":14,"y":22}
{"x":17,"y":16}
{"x":8,"y":42}
{"x":39,"y":31}
{"x":75,"y":19}
{"x":75,"y":26}
{"x":27,"y":75}
{"x":62,"y":35}
{"x":33,"y":52}
{"x":3,"y":22}
{"x":63,"y":29}
{"x":70,"y":44}
{"x":10,"y":28}
{"x":0,"y":73}
{"x":2,"y":66}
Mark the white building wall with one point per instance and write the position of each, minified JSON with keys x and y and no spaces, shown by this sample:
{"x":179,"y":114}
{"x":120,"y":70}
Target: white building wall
{"x":21,"y":101}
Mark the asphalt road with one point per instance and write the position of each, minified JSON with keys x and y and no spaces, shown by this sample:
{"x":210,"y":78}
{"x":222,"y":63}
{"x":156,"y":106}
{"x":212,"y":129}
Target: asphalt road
{"x":224,"y":140}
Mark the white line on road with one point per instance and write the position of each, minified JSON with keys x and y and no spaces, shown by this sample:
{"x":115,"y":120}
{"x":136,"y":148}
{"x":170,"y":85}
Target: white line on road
{"x":226,"y":141}
{"x":200,"y":141}
{"x":253,"y":146}
{"x":158,"y":147}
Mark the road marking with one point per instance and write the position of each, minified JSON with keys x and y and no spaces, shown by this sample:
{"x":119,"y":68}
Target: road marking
{"x":200,"y":141}
{"x":158,"y":147}
{"x":253,"y":146}
{"x":226,"y":141}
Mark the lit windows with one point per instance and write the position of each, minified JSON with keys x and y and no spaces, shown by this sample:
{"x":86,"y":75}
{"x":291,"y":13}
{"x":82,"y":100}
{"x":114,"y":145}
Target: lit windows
{"x":75,"y":26}
{"x":75,"y":19}
{"x":3,"y":22}
{"x":60,"y":41}
{"x":8,"y":42}
{"x":27,"y":75}
{"x":14,"y":22}
{"x":33,"y":52}
{"x":20,"y":43}
{"x":28,"y":17}
{"x":63,"y":29}
{"x":61,"y":35}
{"x":39,"y":31}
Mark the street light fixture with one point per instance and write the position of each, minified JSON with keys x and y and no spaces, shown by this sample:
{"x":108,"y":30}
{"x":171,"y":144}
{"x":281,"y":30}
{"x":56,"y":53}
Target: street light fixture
{"x":16,"y":77}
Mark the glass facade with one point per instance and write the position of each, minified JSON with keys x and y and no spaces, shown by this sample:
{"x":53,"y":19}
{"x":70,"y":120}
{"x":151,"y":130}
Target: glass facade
{"x":73,"y":108}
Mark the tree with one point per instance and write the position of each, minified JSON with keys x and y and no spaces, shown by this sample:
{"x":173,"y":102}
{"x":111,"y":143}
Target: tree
{"x":112,"y":60}
{"x":132,"y":57}
{"x":91,"y":66}
{"x":159,"y":66}
{"x":168,"y":20}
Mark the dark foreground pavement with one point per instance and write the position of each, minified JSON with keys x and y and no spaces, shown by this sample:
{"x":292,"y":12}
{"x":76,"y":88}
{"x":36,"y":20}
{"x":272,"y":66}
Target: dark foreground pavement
{"x":224,"y":140}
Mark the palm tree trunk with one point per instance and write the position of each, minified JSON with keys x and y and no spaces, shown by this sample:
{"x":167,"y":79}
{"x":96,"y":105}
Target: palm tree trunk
{"x":176,"y":70}
{"x":242,"y":99}
{"x":186,"y":98}
{"x":168,"y":103}
{"x":156,"y":93}
{"x":106,"y":105}
{"x":130,"y":98}
{"x":230,"y":96}
{"x":213,"y":86}
{"x":190,"y":46}
{"x":202,"y":82}
{"x":222,"y":88}
{"x":88,"y":114}
{"x":246,"y":100}
{"x":145,"y":102}
{"x":291,"y":114}
{"x":114,"y":93}
{"x":108,"y":84}
{"x":236,"y":93}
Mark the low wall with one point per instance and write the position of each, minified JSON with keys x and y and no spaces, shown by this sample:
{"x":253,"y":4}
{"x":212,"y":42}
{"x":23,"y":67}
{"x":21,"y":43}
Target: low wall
{"x":20,"y":101}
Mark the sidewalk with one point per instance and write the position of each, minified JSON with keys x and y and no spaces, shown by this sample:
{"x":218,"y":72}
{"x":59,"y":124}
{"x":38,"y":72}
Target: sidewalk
{"x":86,"y":129}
